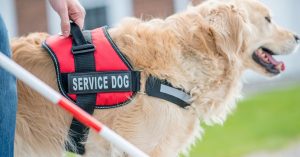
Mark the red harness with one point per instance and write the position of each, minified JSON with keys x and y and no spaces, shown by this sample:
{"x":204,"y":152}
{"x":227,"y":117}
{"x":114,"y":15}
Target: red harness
{"x":92,"y":72}
{"x":108,"y":58}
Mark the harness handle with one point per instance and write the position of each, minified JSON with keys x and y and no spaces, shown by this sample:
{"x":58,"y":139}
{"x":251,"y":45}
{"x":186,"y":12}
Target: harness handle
{"x":80,"y":44}
{"x":77,"y":35}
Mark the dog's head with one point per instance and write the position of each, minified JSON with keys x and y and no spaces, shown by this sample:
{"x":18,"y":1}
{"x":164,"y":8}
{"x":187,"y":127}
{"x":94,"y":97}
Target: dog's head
{"x":266,"y":40}
{"x":244,"y":29}
{"x":238,"y":35}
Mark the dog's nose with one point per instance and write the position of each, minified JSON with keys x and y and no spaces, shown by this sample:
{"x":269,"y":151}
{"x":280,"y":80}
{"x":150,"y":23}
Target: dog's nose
{"x":297,"y":38}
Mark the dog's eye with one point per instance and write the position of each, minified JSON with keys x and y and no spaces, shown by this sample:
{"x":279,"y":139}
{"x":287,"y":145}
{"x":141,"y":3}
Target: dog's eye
{"x":268,"y":18}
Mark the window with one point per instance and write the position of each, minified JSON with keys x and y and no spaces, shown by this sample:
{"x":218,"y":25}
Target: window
{"x":95,"y":17}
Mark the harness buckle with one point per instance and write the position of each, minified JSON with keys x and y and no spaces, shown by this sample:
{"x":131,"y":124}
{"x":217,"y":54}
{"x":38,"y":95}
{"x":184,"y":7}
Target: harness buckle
{"x":80,"y":49}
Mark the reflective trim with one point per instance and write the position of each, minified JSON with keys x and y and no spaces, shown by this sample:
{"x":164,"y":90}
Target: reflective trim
{"x":175,"y":93}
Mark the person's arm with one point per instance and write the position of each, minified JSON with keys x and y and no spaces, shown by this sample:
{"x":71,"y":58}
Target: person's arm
{"x":68,"y":10}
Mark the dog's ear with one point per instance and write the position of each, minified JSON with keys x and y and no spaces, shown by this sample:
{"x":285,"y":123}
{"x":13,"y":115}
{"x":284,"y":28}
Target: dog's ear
{"x":228,"y":26}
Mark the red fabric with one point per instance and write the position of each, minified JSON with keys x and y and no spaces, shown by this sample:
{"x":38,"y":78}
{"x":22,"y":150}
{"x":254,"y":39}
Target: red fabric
{"x":62,"y":46}
{"x":106,"y":59}
{"x":81,"y":115}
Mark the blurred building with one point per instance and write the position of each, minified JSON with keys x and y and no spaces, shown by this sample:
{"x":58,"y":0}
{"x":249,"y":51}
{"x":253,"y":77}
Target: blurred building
{"x":24,"y":16}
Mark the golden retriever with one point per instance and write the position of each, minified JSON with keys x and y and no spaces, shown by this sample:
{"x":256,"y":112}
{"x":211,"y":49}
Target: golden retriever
{"x":204,"y":50}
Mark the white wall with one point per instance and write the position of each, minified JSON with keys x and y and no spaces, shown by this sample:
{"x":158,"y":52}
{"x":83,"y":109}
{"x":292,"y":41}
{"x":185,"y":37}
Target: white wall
{"x":118,"y":9}
{"x":180,"y":5}
{"x":7,"y":11}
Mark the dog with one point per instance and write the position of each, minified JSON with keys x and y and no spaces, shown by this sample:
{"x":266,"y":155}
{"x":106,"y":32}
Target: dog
{"x":203,"y":50}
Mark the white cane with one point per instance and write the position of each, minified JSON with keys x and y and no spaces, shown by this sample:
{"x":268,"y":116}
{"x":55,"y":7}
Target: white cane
{"x":53,"y":96}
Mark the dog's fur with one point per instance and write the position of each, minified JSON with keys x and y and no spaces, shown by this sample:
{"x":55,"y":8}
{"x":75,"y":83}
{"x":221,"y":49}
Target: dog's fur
{"x":203,"y":50}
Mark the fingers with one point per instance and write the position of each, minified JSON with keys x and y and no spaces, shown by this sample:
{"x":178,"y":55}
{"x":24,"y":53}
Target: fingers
{"x":76,"y":13}
{"x":78,"y":19}
{"x":68,"y":9}
{"x":65,"y":23}
{"x":61,"y":7}
{"x":79,"y":22}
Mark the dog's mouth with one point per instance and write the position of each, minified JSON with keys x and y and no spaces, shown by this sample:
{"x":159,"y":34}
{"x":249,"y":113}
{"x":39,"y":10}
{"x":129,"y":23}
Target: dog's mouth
{"x":264,"y":57}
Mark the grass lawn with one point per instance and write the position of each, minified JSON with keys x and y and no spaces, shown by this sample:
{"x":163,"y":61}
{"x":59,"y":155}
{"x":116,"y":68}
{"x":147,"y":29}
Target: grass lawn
{"x":266,"y":121}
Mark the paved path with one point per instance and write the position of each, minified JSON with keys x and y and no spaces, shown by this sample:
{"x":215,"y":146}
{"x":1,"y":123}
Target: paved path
{"x":290,"y":151}
{"x":261,"y":85}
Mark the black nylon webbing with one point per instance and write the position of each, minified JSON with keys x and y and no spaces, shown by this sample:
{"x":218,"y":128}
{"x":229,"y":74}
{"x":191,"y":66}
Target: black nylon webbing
{"x":84,"y":62}
{"x":155,"y":88}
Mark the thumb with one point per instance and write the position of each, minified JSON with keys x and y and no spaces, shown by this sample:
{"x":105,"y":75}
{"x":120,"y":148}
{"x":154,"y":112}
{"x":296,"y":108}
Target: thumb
{"x":65,"y":23}
{"x":79,"y":22}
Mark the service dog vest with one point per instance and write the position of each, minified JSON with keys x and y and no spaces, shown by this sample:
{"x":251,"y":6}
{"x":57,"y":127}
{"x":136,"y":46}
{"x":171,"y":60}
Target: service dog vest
{"x":111,"y":77}
{"x":93,"y":73}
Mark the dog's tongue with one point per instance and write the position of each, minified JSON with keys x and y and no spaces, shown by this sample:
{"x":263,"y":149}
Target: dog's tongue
{"x":278,"y":64}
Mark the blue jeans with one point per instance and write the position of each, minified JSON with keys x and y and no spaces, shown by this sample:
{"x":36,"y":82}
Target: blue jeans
{"x":8,"y":100}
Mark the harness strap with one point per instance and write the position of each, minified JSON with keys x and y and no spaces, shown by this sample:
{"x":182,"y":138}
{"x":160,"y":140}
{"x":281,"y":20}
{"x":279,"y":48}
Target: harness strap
{"x":84,"y":60}
{"x":164,"y":90}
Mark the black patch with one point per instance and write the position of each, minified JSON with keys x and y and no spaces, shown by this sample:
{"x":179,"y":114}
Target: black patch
{"x":153,"y":88}
{"x":97,"y":82}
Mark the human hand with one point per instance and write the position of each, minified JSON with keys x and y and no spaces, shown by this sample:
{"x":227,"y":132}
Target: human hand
{"x":68,"y":10}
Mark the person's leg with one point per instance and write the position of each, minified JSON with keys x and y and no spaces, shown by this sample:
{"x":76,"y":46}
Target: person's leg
{"x":8,"y":100}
